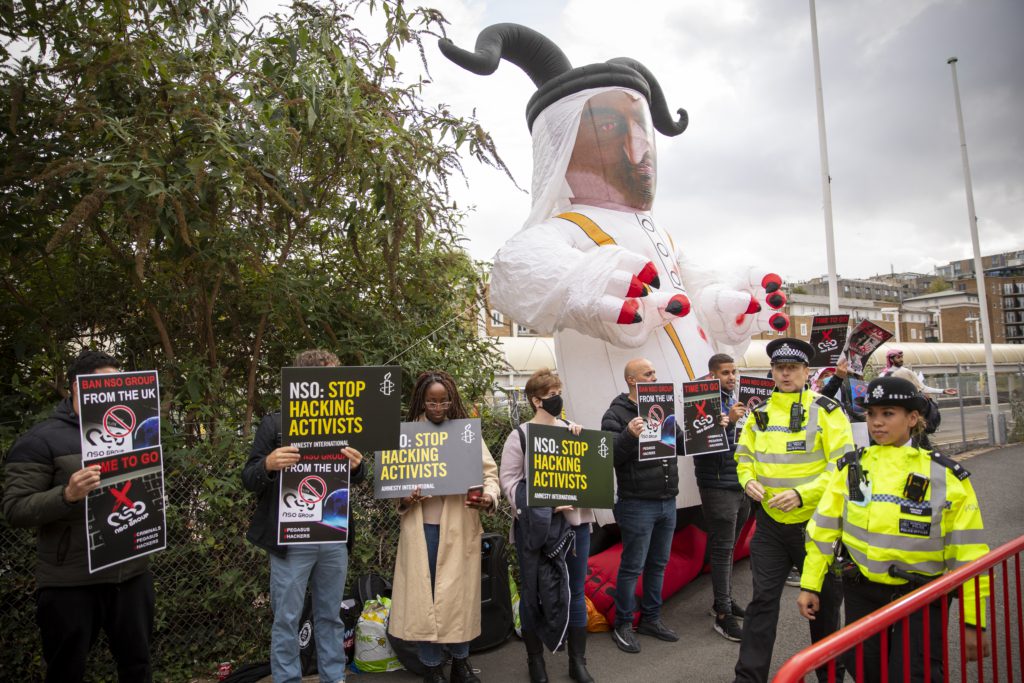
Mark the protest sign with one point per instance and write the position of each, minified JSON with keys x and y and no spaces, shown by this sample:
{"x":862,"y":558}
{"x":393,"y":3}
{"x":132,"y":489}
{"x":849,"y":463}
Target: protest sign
{"x":752,"y":392}
{"x":118,"y":412}
{"x":439,"y":460}
{"x":861,"y":343}
{"x":702,"y":415}
{"x":656,"y":404}
{"x":828,"y":337}
{"x":125,"y":516}
{"x":323,"y":411}
{"x":567,"y":469}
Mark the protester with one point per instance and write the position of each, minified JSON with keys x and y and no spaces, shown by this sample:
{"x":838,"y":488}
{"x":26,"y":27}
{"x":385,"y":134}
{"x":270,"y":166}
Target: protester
{"x":45,"y":486}
{"x":784,"y":455}
{"x":293,"y":566}
{"x":544,"y":393}
{"x":436,"y":595}
{"x":645,"y":510}
{"x":724,"y":505}
{"x":894,"y":361}
{"x":899,"y":528}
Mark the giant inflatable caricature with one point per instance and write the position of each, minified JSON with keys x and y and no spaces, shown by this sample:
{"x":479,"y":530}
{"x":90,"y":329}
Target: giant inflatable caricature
{"x":590,"y":265}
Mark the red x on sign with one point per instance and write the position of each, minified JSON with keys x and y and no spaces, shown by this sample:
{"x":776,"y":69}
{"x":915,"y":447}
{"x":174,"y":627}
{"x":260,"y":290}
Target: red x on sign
{"x":826,"y":335}
{"x":700,"y":409}
{"x":121,"y":497}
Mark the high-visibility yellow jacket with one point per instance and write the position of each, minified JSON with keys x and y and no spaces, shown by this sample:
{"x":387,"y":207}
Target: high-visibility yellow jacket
{"x":780,"y":459}
{"x":942,"y":532}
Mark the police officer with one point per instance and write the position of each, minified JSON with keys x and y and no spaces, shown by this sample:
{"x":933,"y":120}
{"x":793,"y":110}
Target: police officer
{"x":784,"y":458}
{"x":905,"y":516}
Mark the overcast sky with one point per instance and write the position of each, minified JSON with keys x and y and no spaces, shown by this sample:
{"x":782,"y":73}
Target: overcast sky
{"x":744,"y":181}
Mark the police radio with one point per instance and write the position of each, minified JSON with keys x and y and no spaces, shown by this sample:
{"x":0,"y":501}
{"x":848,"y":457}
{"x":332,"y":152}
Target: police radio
{"x":796,"y":416}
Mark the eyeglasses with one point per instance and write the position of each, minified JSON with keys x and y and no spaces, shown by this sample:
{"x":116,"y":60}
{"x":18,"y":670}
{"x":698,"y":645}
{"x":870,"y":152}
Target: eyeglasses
{"x":434,"y":405}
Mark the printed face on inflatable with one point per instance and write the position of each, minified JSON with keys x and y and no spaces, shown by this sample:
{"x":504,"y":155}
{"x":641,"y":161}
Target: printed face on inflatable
{"x":613,"y":162}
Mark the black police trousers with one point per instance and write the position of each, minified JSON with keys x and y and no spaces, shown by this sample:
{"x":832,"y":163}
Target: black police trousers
{"x":862,"y":598}
{"x":70,"y":620}
{"x":774,"y":550}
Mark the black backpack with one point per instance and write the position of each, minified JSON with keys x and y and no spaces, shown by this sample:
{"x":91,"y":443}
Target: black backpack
{"x":932,"y":418}
{"x":496,"y":625}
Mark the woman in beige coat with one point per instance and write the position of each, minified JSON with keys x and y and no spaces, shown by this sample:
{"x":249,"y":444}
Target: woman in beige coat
{"x":436,"y":594}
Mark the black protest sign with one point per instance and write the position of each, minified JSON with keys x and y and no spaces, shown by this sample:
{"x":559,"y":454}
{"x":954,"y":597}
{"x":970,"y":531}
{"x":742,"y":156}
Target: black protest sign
{"x":702,"y":418}
{"x":656,"y":404}
{"x":753,"y":391}
{"x":323,"y":411}
{"x":118,"y":412}
{"x":861,"y":343}
{"x":828,"y":337}
{"x":439,"y":460}
{"x":125,"y":516}
{"x":567,"y":469}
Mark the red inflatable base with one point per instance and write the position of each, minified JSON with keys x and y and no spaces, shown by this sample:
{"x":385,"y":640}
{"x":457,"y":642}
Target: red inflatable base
{"x":685,"y":563}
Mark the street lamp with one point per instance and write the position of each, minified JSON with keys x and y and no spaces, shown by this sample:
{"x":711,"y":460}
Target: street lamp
{"x":979,"y":271}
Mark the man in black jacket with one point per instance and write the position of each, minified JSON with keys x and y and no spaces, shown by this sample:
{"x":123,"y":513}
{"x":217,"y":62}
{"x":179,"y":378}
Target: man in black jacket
{"x":645,"y":510}
{"x":293,"y":565}
{"x":723,"y":503}
{"x":45,"y":487}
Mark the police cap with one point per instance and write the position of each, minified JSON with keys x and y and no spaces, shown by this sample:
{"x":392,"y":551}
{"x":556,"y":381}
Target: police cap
{"x":893,"y":391}
{"x":790,"y":350}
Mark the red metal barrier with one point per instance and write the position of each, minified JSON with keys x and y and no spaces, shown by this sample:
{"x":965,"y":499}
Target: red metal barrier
{"x":1005,"y":667}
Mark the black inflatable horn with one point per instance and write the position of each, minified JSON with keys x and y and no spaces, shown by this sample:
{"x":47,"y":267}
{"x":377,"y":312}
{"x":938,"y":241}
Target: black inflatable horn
{"x":553,"y":74}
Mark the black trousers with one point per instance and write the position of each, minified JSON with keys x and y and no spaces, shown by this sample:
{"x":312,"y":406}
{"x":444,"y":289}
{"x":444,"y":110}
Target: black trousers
{"x":774,"y":550}
{"x":862,"y":598}
{"x":70,"y":620}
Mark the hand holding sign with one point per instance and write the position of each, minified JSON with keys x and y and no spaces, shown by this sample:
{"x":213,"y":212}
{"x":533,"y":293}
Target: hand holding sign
{"x":81,"y":483}
{"x":280,"y":458}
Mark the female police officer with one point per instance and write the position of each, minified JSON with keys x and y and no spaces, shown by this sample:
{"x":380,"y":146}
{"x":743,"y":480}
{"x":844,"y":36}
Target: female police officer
{"x":905,"y":516}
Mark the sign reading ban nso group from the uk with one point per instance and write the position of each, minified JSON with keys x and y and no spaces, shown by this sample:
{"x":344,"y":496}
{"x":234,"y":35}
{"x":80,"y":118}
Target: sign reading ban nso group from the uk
{"x":119,"y":418}
{"x":323,"y":411}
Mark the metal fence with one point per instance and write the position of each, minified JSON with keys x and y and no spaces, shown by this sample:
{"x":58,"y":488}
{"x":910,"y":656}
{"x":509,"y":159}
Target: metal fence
{"x":212,"y":586}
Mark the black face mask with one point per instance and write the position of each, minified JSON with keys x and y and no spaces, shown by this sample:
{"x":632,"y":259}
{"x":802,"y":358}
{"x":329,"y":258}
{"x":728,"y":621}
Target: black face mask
{"x":552,"y":405}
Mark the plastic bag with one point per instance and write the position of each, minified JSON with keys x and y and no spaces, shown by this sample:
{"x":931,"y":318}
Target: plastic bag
{"x":514,"y":592}
{"x":373,"y":651}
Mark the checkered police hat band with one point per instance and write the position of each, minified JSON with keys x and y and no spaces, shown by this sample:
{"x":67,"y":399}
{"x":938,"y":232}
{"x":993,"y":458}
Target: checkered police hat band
{"x":787,"y":352}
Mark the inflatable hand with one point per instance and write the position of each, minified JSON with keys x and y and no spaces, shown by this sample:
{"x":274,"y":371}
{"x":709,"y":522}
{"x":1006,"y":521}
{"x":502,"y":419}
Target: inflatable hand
{"x":733,"y":314}
{"x":619,"y":304}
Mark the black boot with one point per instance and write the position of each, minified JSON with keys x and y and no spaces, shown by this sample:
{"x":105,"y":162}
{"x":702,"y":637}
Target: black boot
{"x":577,"y":655}
{"x":434,"y":674}
{"x":535,"y":657}
{"x":462,"y":672}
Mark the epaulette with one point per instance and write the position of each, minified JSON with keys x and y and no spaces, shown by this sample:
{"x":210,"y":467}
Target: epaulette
{"x":850,"y":458}
{"x":958,"y":471}
{"x":826,"y":403}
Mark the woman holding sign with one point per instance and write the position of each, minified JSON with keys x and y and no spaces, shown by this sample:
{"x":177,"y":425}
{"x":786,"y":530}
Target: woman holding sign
{"x":544,"y":392}
{"x":436,"y":595}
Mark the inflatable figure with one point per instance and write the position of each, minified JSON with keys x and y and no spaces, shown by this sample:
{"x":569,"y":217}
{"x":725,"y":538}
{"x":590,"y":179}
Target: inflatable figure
{"x":590,"y":265}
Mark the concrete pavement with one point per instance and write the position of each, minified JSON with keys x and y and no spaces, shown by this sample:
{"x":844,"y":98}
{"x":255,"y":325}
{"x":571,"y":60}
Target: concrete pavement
{"x":705,"y":657}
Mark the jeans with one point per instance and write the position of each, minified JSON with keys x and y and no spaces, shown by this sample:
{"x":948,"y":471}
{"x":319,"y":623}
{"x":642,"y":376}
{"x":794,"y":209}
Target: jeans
{"x":326,"y":564}
{"x":647,"y":527}
{"x":725,"y":512}
{"x":70,"y":619}
{"x":576,"y":562}
{"x":432,"y":654}
{"x":774,"y":550}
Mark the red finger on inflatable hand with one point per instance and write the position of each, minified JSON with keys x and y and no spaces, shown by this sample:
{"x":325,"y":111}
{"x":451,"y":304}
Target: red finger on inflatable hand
{"x":679,"y":305}
{"x":771,"y":282}
{"x":630,"y":313}
{"x":649,"y":275}
{"x":779,"y":322}
{"x":637,"y":287}
{"x":753,"y":306}
{"x":776,"y":299}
